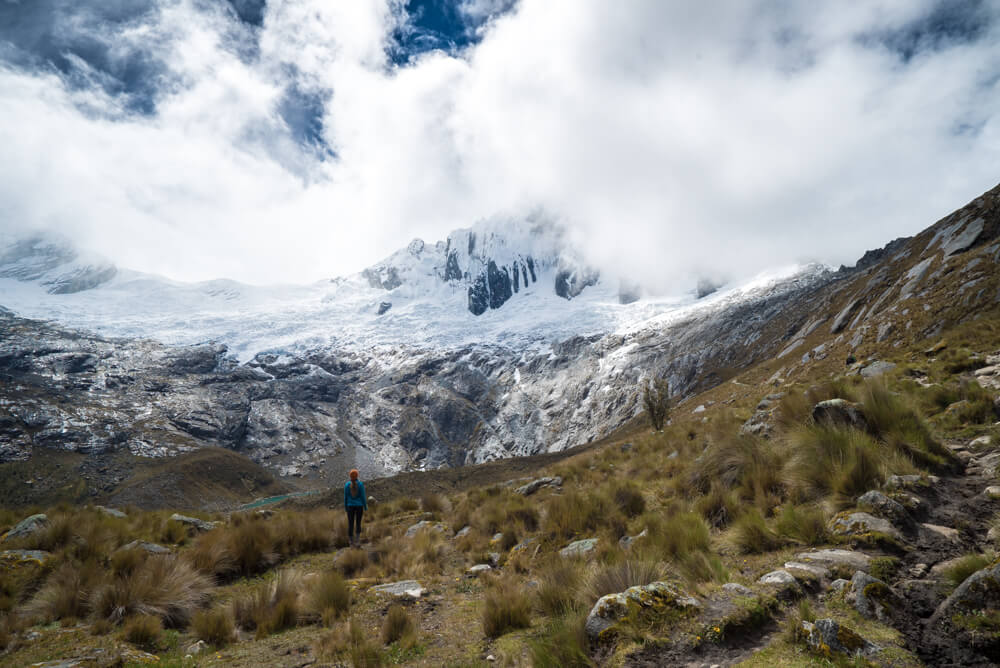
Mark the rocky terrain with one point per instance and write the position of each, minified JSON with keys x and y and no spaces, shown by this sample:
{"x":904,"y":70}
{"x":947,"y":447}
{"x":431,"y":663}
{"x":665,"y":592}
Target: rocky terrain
{"x":312,"y":414}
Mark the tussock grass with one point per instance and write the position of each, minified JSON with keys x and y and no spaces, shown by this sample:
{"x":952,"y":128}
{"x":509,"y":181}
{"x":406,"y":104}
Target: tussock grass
{"x":398,"y":626}
{"x":65,"y":592}
{"x":558,"y":583}
{"x":958,"y":572}
{"x":214,"y":626}
{"x":328,"y":595}
{"x":507,"y":607}
{"x":563,"y":644}
{"x":350,"y":641}
{"x":615,"y":578}
{"x":270,"y":607}
{"x":751,"y":535}
{"x":145,"y":631}
{"x":804,"y":524}
{"x":164,"y":586}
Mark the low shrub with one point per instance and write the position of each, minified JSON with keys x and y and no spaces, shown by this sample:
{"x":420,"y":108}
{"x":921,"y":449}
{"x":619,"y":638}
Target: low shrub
{"x":145,"y":631}
{"x":507,"y":607}
{"x":214,"y":626}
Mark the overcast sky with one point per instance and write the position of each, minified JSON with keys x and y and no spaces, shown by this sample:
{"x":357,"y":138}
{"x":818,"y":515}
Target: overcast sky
{"x":292,"y":140}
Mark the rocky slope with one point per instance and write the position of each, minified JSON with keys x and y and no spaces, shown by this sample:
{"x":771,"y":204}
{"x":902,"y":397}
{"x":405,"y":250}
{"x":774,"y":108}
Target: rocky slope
{"x":314,"y":410}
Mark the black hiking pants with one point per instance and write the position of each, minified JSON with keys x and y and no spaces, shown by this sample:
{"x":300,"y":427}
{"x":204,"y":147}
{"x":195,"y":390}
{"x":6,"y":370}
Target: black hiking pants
{"x":354,"y":514}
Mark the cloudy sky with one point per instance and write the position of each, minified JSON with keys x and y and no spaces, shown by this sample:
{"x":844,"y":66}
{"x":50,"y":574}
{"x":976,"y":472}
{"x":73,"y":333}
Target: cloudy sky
{"x":290,"y":140}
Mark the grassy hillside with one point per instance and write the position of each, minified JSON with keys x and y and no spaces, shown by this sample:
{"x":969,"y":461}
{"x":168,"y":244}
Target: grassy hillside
{"x":705,"y":504}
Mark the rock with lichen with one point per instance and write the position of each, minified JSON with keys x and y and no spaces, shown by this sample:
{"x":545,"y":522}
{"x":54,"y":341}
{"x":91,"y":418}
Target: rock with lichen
{"x":829,"y":637}
{"x":655,"y":601}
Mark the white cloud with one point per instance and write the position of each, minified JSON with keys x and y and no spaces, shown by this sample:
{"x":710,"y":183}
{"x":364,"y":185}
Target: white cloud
{"x":674,"y":138}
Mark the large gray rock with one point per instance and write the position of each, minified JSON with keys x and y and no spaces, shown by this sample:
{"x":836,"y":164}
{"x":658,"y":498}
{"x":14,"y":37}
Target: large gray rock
{"x":579,"y":548}
{"x":877,"y":368}
{"x":656,"y":598}
{"x":13,"y":558}
{"x":537,"y":484}
{"x":834,"y":558}
{"x":402,"y":589}
{"x":979,"y":591}
{"x":27,"y":527}
{"x":827,"y":635}
{"x":194,"y":522}
{"x":152,"y":548}
{"x":886,"y":508}
{"x":857,"y":524}
{"x":426,"y":525}
{"x":840,"y":413}
{"x":870,"y":596}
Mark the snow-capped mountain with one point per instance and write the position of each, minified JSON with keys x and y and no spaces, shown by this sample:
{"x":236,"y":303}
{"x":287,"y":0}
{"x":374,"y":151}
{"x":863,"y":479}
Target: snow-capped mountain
{"x":497,"y":341}
{"x":501,"y":282}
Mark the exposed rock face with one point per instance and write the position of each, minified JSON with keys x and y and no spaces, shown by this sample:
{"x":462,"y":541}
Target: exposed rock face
{"x":27,"y":527}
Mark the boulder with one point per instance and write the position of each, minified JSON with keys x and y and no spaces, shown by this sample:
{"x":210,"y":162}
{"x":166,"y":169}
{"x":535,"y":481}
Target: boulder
{"x":832,"y":558}
{"x":877,"y":368}
{"x":152,"y":548}
{"x":816,"y":570}
{"x":194,"y":522}
{"x":27,"y":527}
{"x":947,"y":533}
{"x":871,"y":597}
{"x":464,"y":531}
{"x":197,"y":648}
{"x":979,"y":591}
{"x":908,"y":482}
{"x":827,"y":635}
{"x":992,"y":492}
{"x":523,"y":545}
{"x":14,"y":558}
{"x":625,"y":542}
{"x":858,"y":524}
{"x":579,"y":548}
{"x":839,"y":584}
{"x":428,"y":526}
{"x":110,"y":512}
{"x":783,"y":584}
{"x":737,"y":589}
{"x":478,"y":569}
{"x":840,"y":413}
{"x":779,"y":577}
{"x":537,"y":484}
{"x":647,"y":602}
{"x":402,"y":589}
{"x":886,"y":508}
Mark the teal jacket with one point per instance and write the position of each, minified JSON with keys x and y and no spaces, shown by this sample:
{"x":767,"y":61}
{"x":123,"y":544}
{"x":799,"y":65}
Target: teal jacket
{"x":354,"y":501}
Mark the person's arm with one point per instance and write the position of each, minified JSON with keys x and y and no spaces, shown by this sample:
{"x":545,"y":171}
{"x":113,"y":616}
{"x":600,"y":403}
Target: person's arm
{"x":345,"y":496}
{"x":364,"y":495}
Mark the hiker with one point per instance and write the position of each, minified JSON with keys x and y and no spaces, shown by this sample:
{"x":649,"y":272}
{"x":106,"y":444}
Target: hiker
{"x":355,"y":503}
